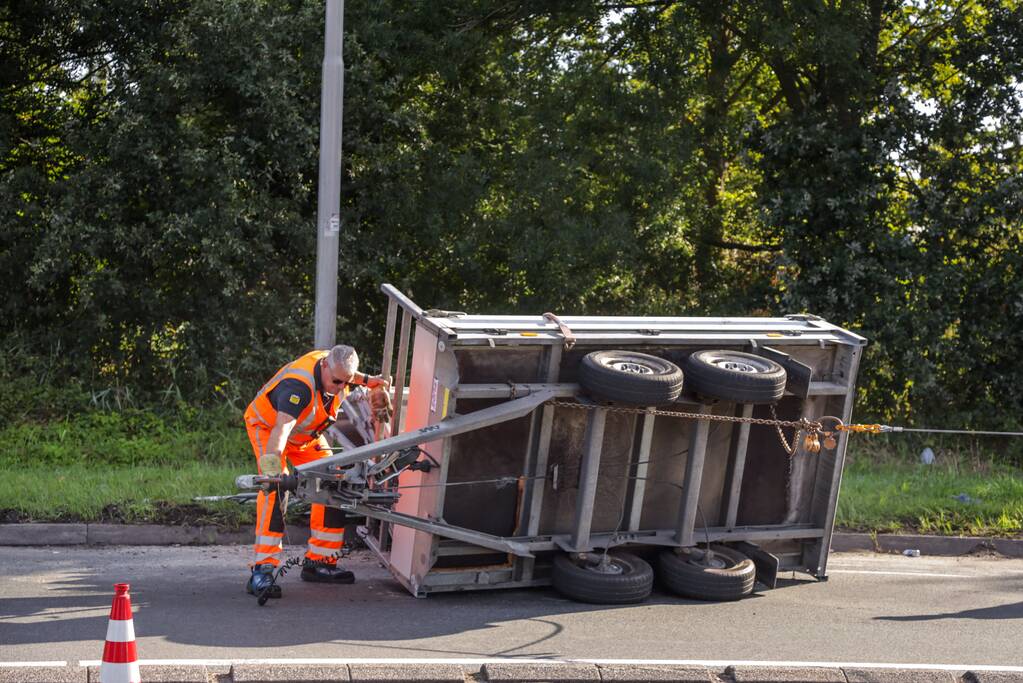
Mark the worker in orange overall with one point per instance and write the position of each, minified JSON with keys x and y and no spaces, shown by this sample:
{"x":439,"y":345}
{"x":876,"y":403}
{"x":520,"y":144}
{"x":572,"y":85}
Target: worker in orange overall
{"x":285,"y":422}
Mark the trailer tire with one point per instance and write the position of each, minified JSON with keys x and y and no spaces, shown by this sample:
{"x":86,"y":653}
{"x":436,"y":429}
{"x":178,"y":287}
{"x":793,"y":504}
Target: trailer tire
{"x":630,"y":377}
{"x":730,"y":575}
{"x":628,"y":580}
{"x":735,"y":376}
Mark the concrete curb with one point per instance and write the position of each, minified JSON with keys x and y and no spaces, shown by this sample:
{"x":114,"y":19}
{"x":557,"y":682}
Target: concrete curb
{"x":39,"y":534}
{"x":777,"y":674}
{"x":506,"y":671}
{"x":44,"y":534}
{"x":899,"y":675}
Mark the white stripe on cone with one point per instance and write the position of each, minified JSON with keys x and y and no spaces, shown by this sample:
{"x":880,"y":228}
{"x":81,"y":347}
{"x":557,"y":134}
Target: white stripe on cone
{"x":120,"y":631}
{"x":119,"y":673}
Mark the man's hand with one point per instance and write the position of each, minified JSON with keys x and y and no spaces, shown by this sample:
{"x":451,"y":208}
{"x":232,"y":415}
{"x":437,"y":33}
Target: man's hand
{"x":375,"y":381}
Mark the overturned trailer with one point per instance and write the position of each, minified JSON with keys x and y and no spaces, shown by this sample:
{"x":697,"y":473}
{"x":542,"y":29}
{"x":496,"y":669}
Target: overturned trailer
{"x":538,"y":450}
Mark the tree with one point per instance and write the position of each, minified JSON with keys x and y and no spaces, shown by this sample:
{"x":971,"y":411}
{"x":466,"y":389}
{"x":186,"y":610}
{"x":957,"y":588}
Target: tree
{"x":859,"y":160}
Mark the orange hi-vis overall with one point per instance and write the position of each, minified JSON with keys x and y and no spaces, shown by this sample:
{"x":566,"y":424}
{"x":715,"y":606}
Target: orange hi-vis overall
{"x":304,"y":445}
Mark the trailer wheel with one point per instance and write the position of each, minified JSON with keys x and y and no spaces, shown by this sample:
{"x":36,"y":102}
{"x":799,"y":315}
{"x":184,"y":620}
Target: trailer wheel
{"x":621,"y":579}
{"x":735,"y":376}
{"x":723,"y":574}
{"x":630,"y":377}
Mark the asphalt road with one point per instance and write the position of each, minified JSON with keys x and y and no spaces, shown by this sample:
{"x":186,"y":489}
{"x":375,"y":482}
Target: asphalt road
{"x":190,"y":604}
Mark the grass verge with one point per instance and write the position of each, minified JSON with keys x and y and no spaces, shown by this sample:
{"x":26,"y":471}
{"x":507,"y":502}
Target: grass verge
{"x":146,"y":494}
{"x":886,"y":489}
{"x":146,"y":466}
{"x":133,"y":465}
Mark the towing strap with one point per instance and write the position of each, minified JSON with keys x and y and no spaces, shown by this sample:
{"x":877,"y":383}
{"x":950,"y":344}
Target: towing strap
{"x":565,"y":331}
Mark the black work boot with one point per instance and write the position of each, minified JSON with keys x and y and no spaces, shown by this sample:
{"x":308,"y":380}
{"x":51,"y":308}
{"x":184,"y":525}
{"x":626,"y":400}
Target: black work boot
{"x":262,"y":576}
{"x":317,"y":572}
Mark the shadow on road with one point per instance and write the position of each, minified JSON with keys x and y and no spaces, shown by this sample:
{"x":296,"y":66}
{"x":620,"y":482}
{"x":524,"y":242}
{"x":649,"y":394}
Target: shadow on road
{"x":210,"y":608}
{"x":1012,"y":611}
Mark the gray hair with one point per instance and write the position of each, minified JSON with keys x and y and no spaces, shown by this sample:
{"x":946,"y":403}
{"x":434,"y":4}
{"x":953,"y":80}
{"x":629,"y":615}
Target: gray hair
{"x":343,"y":357}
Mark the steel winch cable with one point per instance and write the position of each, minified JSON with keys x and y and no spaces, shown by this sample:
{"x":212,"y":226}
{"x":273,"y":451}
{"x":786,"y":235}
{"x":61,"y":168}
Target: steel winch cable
{"x":889,"y":429}
{"x":812,"y":443}
{"x":892,"y":429}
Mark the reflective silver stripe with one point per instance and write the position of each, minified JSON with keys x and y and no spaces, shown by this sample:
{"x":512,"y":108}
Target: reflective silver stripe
{"x":265,"y":388}
{"x":304,"y":374}
{"x":283,"y":373}
{"x":260,"y":559}
{"x":303,"y":432}
{"x":320,"y":550}
{"x":312,"y":387}
{"x":304,"y":426}
{"x":270,"y":540}
{"x":327,"y":535}
{"x":311,"y":431}
{"x":273,"y":380}
{"x":334,"y":402}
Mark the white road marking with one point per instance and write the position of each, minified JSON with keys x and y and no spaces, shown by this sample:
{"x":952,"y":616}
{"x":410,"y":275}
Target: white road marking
{"x":879,"y":571}
{"x":1002,"y":570}
{"x":619,"y":662}
{"x":800,"y":665}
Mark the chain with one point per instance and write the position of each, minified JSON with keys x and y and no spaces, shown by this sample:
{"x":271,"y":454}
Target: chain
{"x":791,"y":450}
{"x":812,"y":428}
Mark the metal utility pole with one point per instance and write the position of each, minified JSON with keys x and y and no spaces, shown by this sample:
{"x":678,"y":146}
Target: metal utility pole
{"x":328,"y":212}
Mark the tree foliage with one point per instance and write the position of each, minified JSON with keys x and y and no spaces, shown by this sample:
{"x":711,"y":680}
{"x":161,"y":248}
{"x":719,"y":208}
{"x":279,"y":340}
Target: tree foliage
{"x":860,"y":160}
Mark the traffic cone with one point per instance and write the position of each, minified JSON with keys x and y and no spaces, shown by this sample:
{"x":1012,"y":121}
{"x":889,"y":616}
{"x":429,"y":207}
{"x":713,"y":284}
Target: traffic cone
{"x":120,"y":660}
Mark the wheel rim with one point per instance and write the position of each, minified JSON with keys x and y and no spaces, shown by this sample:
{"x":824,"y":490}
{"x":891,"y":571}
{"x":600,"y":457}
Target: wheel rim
{"x":602,"y":564}
{"x":709,"y":560}
{"x":736,"y":364}
{"x":634,"y":368}
{"x":628,"y":366}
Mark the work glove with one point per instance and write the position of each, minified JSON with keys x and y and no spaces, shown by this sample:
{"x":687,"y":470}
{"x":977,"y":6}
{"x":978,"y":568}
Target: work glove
{"x":377,"y":381}
{"x":380,"y":403}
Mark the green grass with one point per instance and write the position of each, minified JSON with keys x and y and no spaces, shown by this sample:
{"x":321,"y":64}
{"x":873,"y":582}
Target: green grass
{"x":143,"y":494}
{"x":888,"y":490}
{"x":146,"y":464}
{"x":135,"y":464}
{"x":129,"y":437}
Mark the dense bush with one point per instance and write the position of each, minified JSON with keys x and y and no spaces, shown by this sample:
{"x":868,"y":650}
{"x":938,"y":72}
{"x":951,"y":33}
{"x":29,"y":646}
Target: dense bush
{"x":859,"y":160}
